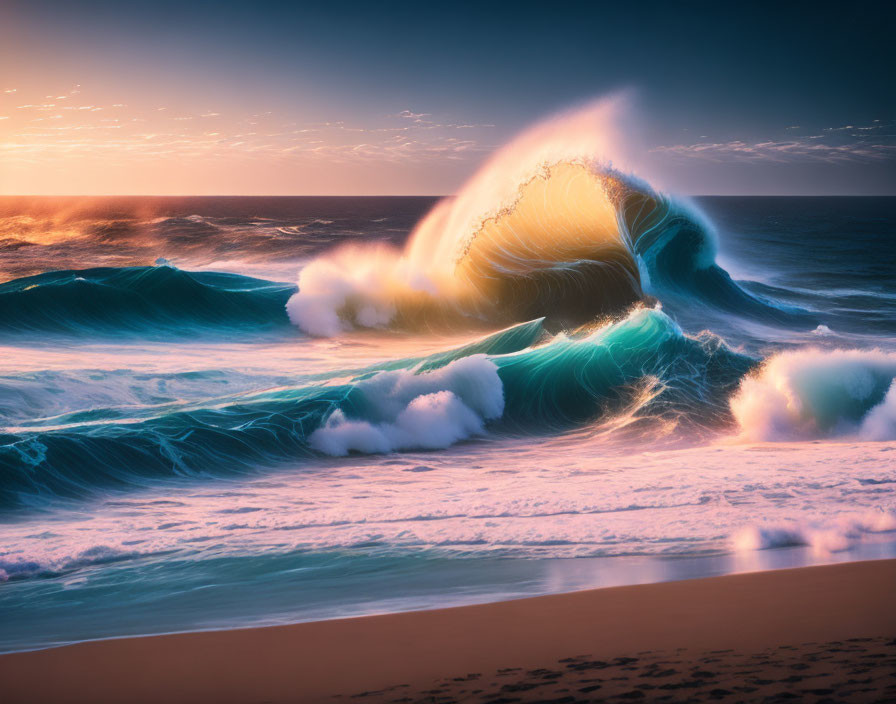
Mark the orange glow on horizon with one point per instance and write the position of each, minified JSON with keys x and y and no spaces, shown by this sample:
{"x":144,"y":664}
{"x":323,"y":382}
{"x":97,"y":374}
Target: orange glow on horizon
{"x":79,"y":142}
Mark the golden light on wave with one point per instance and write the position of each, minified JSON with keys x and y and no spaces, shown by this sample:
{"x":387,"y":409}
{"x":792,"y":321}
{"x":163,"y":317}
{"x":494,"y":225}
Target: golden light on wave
{"x":588,"y":135}
{"x":563,"y":216}
{"x":536,"y":229}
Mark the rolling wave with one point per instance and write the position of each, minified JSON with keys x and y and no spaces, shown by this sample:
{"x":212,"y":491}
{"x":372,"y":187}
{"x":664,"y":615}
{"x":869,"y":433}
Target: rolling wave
{"x":518,"y":381}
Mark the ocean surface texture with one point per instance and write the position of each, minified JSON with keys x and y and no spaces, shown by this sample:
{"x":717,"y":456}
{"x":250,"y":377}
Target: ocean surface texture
{"x":218,"y":412}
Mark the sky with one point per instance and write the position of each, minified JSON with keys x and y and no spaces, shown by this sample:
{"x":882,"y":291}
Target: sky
{"x":203,"y":98}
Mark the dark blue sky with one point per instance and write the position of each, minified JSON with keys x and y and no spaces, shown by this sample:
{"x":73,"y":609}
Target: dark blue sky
{"x":730,"y":97}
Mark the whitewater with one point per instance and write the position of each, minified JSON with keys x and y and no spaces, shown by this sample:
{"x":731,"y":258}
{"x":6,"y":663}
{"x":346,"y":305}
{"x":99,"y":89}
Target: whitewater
{"x":228,"y":411}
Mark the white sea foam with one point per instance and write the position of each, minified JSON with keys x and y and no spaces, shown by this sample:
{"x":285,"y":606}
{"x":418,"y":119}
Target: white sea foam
{"x":811,"y":393}
{"x":43,"y":563}
{"x":348,"y":284}
{"x":417,"y":411}
{"x":880,"y":423}
{"x":559,"y":497}
{"x":841,"y":533}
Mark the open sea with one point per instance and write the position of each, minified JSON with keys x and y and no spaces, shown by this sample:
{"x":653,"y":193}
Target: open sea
{"x":229,"y":411}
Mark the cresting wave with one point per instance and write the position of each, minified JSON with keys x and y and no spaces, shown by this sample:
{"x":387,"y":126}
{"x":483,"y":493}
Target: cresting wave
{"x":521,"y":381}
{"x":549,"y":227}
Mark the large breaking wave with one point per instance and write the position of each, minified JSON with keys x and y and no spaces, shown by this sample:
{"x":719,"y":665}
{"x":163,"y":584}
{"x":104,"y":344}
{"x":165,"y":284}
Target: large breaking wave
{"x":553,"y":226}
{"x":550,"y":227}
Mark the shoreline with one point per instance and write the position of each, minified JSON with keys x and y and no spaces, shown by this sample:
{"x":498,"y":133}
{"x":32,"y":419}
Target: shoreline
{"x":318,"y":660}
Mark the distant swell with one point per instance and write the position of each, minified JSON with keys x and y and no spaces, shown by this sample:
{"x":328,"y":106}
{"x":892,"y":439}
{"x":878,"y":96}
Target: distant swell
{"x":144,"y":301}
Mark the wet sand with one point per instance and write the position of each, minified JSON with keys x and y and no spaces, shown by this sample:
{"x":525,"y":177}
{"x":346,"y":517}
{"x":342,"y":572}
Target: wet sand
{"x":809,"y":634}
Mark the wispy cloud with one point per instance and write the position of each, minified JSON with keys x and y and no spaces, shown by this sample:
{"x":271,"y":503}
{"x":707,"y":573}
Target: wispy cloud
{"x":407,"y":114}
{"x":417,"y":118}
{"x":847,"y":143}
{"x":50,"y":129}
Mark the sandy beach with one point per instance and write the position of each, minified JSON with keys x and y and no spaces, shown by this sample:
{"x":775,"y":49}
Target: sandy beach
{"x":813,"y":633}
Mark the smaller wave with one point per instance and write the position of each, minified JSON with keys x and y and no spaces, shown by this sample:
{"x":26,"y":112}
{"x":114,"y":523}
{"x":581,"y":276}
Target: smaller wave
{"x":517,"y":381}
{"x":28,"y":568}
{"x":239,"y":431}
{"x":642,"y":363}
{"x":643,"y":359}
{"x":837,"y":535}
{"x":810,"y":393}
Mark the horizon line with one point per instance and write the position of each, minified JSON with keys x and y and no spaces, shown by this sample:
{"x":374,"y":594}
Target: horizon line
{"x":410,"y":195}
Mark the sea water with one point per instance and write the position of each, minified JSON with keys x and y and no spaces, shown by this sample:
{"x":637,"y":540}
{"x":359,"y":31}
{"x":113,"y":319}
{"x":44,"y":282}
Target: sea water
{"x":189,"y":439}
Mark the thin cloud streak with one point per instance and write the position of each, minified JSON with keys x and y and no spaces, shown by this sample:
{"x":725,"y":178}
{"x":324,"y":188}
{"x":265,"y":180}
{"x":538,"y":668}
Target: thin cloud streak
{"x":156,"y":133}
{"x":803,"y":149}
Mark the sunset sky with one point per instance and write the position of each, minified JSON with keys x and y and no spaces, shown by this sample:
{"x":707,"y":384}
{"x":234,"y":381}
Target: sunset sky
{"x":399,"y":98}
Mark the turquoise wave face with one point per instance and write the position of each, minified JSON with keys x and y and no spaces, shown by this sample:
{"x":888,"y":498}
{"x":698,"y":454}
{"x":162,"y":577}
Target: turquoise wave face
{"x":148,"y":302}
{"x":677,"y":252}
{"x":643,"y":361}
{"x":517,"y":381}
{"x":75,"y":459}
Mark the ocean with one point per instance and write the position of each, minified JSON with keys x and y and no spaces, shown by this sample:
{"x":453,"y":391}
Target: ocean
{"x":597,"y":384}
